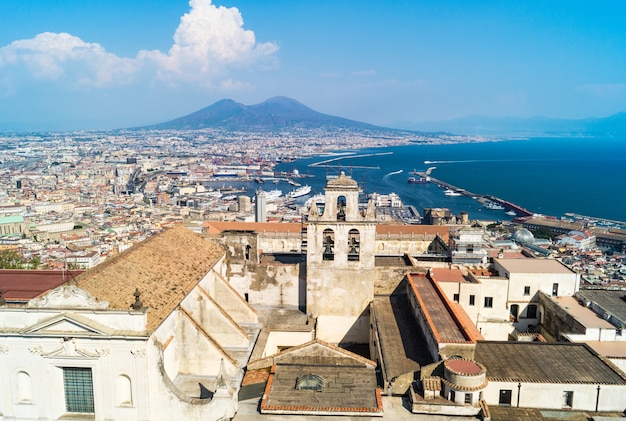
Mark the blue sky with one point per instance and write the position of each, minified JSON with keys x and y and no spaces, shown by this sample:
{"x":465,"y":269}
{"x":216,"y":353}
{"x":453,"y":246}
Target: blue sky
{"x":118,"y":63}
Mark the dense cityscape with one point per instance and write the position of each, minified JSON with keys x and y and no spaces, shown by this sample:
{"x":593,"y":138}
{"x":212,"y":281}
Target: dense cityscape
{"x":92,"y":219}
{"x":282,"y":211}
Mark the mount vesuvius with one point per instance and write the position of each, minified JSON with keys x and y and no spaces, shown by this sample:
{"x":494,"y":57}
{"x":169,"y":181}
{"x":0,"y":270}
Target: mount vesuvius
{"x":278,"y":113}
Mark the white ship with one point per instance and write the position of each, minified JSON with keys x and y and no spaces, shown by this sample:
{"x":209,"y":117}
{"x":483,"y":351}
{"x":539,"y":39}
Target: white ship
{"x":493,"y":206}
{"x":449,"y":192}
{"x":299,"y":192}
{"x":273,"y":195}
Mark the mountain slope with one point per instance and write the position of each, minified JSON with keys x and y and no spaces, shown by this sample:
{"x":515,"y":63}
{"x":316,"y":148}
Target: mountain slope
{"x":274,"y":114}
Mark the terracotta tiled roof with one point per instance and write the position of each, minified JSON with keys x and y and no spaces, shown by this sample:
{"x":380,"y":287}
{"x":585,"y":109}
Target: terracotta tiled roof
{"x":215,"y":228}
{"x":164,"y":268}
{"x":22,"y":285}
{"x":384,"y":229}
{"x":447,"y":275}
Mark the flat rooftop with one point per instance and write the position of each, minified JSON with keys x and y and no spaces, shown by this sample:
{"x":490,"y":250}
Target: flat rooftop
{"x":533,"y":266}
{"x":582,"y":314}
{"x":447,"y":275}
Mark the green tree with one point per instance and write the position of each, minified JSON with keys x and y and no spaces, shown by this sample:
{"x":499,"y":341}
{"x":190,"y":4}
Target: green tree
{"x":11,"y":259}
{"x":34,"y":262}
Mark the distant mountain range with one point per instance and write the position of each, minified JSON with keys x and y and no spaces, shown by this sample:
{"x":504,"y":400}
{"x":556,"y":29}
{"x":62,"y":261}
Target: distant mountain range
{"x":278,"y":113}
{"x":614,"y":125}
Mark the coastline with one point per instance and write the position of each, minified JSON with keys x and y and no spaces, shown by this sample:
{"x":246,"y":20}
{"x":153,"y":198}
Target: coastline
{"x":544,"y":175}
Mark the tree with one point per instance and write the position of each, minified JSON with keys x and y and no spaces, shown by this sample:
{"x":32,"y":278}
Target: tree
{"x":11,"y":259}
{"x":34,"y":262}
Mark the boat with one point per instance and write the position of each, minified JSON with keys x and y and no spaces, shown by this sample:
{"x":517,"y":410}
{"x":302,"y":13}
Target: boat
{"x":511,"y":213}
{"x":273,"y":195}
{"x":299,"y":192}
{"x":493,"y":206}
{"x":449,"y":192}
{"x":415,"y":180}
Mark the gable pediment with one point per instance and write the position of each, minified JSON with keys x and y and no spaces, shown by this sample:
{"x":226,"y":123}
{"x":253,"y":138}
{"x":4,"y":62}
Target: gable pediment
{"x":316,"y":352}
{"x":67,"y":324}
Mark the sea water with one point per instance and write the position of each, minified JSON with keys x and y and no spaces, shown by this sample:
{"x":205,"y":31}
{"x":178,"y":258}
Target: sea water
{"x":549,"y":176}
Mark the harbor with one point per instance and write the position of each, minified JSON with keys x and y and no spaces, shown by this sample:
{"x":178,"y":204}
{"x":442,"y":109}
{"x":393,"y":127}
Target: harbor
{"x":487,"y":200}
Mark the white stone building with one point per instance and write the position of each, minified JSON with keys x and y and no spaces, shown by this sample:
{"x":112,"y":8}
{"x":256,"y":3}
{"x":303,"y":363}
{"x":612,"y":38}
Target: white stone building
{"x":155,"y":333}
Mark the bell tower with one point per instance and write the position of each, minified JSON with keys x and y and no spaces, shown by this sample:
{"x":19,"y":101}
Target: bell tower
{"x":340,"y":263}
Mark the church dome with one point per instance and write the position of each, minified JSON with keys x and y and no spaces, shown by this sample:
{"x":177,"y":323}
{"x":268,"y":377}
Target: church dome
{"x":523,"y":236}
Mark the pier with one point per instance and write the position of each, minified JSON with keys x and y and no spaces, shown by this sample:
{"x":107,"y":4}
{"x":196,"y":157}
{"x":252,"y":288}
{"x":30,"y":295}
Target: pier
{"x":339,"y":158}
{"x":508,"y":206}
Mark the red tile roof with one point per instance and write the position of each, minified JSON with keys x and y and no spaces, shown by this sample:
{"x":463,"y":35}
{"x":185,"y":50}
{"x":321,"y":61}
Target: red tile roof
{"x":23,"y":285}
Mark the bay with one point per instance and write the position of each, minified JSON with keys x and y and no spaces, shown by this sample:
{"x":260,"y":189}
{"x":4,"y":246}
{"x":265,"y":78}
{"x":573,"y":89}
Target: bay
{"x":550,"y":176}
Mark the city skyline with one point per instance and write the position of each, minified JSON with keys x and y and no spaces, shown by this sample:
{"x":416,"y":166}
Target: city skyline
{"x":113,"y":64}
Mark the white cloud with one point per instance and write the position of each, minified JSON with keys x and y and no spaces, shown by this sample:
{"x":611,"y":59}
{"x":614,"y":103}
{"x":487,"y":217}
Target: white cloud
{"x":53,"y":56}
{"x":209,"y":44}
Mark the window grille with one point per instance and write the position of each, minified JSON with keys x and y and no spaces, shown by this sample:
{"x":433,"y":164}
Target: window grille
{"x":78,"y":385}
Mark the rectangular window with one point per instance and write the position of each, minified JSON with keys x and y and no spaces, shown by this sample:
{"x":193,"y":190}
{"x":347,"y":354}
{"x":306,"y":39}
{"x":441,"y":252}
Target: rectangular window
{"x":488,"y":302}
{"x":568,"y":399}
{"x":505,"y":397}
{"x":455,"y":298}
{"x":78,"y":386}
{"x":555,"y":290}
{"x":526,"y":290}
{"x":468,"y":398}
{"x":472,"y":300}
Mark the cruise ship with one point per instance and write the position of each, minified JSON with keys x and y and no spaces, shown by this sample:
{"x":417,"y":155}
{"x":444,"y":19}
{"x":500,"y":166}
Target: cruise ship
{"x":299,"y":192}
{"x":273,"y":194}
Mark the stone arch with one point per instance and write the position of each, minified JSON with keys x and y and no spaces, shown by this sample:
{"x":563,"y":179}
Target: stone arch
{"x":328,"y":243}
{"x":124,"y":390}
{"x":341,"y":208}
{"x":354,"y":245}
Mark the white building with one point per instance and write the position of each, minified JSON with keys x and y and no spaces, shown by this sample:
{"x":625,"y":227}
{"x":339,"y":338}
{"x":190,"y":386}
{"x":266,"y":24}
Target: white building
{"x":155,"y":333}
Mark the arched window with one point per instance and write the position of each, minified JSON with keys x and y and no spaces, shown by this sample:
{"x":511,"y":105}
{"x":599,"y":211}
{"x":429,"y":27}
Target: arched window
{"x":124,"y":391}
{"x":328,"y":243}
{"x":354,"y":245}
{"x":24,"y":388}
{"x":514,"y":312}
{"x":341,"y":208}
{"x":310,"y":382}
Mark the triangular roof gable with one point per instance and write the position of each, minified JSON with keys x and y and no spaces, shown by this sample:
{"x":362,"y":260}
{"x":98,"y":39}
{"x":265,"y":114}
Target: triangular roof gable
{"x":316,"y":352}
{"x":67,"y":323}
